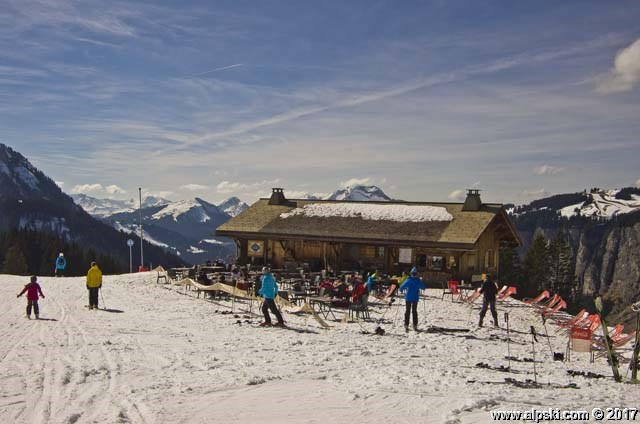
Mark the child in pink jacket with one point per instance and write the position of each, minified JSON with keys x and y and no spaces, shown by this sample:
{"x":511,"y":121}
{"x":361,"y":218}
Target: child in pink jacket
{"x":32,"y":289}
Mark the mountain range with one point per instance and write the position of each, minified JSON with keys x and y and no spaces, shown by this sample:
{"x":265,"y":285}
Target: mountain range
{"x":603,"y":231}
{"x":31,"y":200}
{"x":186,"y":227}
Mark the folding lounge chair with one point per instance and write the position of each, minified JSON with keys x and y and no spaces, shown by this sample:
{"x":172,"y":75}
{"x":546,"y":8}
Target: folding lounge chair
{"x":536,"y":300}
{"x":560,"y":305}
{"x":472,"y":297}
{"x":569,"y":320}
{"x":507,"y":293}
{"x":549,"y":304}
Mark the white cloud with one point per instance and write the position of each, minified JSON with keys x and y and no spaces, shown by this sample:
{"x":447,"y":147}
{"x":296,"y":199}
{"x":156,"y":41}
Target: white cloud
{"x":356,"y":182}
{"x":638,"y":183}
{"x":625,"y":74}
{"x":87,"y":188}
{"x":227,"y":187}
{"x":194,"y":187}
{"x":162,"y":194}
{"x":457,"y":195}
{"x":114,"y":189}
{"x":547,"y":170}
{"x":293,"y":194}
{"x":536,"y":193}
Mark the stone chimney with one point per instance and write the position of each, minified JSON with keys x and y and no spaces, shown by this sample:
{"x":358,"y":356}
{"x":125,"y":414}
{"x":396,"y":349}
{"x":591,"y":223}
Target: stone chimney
{"x":472,"y":203}
{"x":277,"y":197}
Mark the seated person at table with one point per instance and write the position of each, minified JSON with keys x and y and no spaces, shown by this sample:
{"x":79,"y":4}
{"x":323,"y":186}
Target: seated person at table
{"x":327,"y":286}
{"x":204,"y":279}
{"x":340,"y":289}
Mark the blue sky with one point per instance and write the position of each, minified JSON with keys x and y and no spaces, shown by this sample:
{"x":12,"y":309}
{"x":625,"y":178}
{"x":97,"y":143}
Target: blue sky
{"x":424,"y":99}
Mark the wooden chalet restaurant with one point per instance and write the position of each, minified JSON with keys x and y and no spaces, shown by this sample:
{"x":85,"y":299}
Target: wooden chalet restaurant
{"x":444,"y":240}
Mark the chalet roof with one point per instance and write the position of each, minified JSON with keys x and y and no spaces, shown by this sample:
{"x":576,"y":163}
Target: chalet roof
{"x":263,"y":220}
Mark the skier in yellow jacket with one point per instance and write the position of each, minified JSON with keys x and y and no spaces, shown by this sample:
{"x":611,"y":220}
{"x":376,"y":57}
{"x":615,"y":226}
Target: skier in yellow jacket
{"x":94,"y":282}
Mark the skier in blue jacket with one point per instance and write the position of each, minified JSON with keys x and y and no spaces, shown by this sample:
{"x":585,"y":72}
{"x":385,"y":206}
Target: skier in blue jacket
{"x":269,"y":291}
{"x":412,"y":286}
{"x":61,"y":264}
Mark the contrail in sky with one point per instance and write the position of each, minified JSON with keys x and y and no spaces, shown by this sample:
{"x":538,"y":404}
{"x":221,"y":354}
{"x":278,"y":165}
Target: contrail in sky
{"x":218,"y":69}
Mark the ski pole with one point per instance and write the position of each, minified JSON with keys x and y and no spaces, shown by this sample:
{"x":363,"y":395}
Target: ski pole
{"x":506,"y":319}
{"x":533,"y":345}
{"x":104,"y":305}
{"x":544,"y":323}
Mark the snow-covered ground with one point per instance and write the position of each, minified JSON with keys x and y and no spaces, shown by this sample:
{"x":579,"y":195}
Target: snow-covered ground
{"x":158,"y":354}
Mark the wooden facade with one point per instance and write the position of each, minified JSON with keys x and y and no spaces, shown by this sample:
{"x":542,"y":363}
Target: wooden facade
{"x":468,"y":245}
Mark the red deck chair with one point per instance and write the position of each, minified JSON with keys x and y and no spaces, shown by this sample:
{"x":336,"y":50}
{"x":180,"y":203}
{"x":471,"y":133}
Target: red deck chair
{"x":620,"y":342}
{"x":536,"y":300}
{"x":507,"y":293}
{"x":472,"y":297}
{"x":501,"y":291}
{"x":592,"y":323}
{"x":390,"y":292}
{"x":549,"y":304}
{"x":570,"y":321}
{"x":560,"y":305}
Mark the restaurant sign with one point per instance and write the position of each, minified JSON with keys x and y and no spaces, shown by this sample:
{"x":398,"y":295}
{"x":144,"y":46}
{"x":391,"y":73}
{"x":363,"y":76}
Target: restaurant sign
{"x":256,"y":248}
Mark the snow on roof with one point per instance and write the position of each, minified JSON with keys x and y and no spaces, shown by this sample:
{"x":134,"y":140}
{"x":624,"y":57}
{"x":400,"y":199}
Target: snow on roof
{"x":369,"y":212}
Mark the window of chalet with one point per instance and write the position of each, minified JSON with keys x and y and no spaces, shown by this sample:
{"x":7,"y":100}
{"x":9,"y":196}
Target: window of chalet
{"x":421,"y":260}
{"x":437,"y":263}
{"x":367,"y":252}
{"x":380,"y":252}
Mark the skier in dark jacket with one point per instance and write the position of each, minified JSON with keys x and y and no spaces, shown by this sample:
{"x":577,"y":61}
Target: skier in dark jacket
{"x":32,"y":289}
{"x":61,"y":264}
{"x":489,"y":289}
{"x":412,"y":285}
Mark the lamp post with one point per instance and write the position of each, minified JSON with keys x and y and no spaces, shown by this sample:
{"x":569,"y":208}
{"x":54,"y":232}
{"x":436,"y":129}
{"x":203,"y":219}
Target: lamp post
{"x":141,"y":236}
{"x":130,"y":244}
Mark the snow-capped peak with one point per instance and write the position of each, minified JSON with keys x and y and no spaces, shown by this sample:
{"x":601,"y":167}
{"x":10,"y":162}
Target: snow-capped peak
{"x":182,"y":207}
{"x":233,"y":206}
{"x":603,"y":204}
{"x":103,"y":208}
{"x":360,"y":193}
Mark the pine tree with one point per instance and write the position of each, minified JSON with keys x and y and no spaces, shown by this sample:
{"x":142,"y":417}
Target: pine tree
{"x":510,"y":267}
{"x":15,"y":262}
{"x":536,"y":267}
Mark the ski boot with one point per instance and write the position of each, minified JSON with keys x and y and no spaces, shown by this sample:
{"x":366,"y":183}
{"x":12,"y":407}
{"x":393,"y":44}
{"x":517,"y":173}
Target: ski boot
{"x":406,"y":328}
{"x":265,"y":324}
{"x":279,"y":324}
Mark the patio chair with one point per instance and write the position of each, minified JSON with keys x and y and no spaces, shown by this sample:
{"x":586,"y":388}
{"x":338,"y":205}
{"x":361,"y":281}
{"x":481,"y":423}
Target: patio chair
{"x":507,"y":293}
{"x":452,"y":289}
{"x":361,"y":307}
{"x":536,"y":300}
